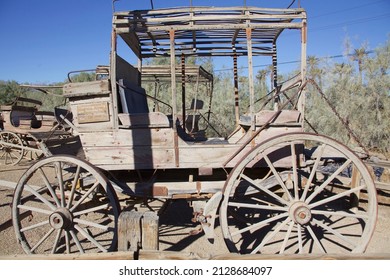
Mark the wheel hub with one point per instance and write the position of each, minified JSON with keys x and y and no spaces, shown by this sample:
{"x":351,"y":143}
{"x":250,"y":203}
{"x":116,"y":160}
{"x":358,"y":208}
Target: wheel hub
{"x":61,"y":219}
{"x":300,"y":213}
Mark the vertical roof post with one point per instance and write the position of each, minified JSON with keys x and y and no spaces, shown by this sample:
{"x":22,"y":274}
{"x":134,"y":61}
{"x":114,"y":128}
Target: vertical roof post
{"x":113,"y":76}
{"x":250,"y":76}
{"x":183,"y":88}
{"x":302,"y":97}
{"x":236,"y":98}
{"x":173,"y":76}
{"x":275,"y":76}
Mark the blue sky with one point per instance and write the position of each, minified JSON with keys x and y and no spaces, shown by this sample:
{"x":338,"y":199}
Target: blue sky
{"x":42,"y":40}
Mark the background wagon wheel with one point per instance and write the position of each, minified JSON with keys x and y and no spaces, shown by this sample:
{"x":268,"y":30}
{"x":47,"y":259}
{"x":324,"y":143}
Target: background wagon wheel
{"x":10,"y":155}
{"x":64,"y":205}
{"x":299,"y":206}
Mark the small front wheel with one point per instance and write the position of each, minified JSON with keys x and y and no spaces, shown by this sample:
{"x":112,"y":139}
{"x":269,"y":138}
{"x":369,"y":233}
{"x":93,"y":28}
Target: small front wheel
{"x":65,"y":205}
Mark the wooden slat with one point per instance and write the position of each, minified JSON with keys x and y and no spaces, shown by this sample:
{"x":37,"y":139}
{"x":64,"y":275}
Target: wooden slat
{"x":87,"y":88}
{"x":170,"y":255}
{"x":128,"y":255}
{"x":149,"y":231}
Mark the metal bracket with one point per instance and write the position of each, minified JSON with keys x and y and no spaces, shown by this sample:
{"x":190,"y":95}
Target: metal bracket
{"x":206,"y":212}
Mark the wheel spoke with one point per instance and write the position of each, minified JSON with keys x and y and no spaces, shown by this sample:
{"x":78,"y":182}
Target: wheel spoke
{"x":315,"y":239}
{"x":74,"y":184}
{"x":60,"y":182}
{"x":40,"y":197}
{"x":330,"y":179}
{"x":14,"y":156}
{"x":93,"y":209}
{"x":260,"y":224}
{"x":277,"y":176}
{"x":286,"y":238}
{"x":270,"y":193}
{"x":295,"y":173}
{"x":67,"y":242}
{"x":42,"y":239}
{"x":90,"y":238}
{"x":334,"y":232}
{"x":91,"y":224}
{"x":340,"y":213}
{"x":91,"y":189}
{"x":300,"y":243}
{"x":335,"y":197}
{"x":270,"y":236}
{"x":35,"y":209}
{"x":76,"y":240}
{"x":257,"y":206}
{"x":313,"y":172}
{"x":34,"y":226}
{"x":48,"y":185}
{"x":56,"y":241}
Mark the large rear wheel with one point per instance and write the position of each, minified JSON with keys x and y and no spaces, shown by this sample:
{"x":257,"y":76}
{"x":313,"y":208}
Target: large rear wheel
{"x":310,"y":194}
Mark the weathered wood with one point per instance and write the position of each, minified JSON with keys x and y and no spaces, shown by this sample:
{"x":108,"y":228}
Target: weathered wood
{"x":150,"y":231}
{"x":354,"y":197}
{"x":87,"y":88}
{"x":128,"y":255}
{"x":170,"y":255}
{"x":151,"y":120}
{"x":137,"y":230}
{"x":129,"y":231}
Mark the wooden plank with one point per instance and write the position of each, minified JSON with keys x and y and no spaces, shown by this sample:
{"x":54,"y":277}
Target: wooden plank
{"x":128,"y":255}
{"x":137,"y":230}
{"x":382,"y":186}
{"x":129,"y":231}
{"x":206,"y":27}
{"x":129,"y":138}
{"x":215,"y":10}
{"x":101,"y":87}
{"x":140,"y":157}
{"x":149,"y":230}
{"x":126,"y":71}
{"x":170,"y":255}
{"x":145,"y":120}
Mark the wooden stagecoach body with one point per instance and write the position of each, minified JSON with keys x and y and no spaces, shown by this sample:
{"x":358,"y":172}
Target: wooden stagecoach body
{"x":132,"y":137}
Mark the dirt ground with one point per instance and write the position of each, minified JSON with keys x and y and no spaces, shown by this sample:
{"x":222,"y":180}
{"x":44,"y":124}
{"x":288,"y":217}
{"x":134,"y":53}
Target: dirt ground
{"x":175,"y":224}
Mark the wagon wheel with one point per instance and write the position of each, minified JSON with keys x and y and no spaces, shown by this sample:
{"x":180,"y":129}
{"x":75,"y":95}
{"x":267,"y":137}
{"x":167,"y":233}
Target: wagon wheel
{"x":64,"y":205}
{"x":32,"y":141}
{"x":306,"y":207}
{"x":10,"y":155}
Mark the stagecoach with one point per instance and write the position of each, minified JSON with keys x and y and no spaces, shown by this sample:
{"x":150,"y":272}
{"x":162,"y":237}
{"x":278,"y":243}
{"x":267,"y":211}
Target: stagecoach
{"x":274,"y":188}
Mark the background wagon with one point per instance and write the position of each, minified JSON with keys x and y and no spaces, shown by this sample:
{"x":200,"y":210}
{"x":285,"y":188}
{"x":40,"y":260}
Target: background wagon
{"x":275,"y":188}
{"x":25,"y":129}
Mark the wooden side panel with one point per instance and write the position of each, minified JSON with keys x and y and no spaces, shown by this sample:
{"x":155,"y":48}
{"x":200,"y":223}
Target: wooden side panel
{"x":92,"y":113}
{"x":86,"y":88}
{"x":126,"y":71}
{"x":129,"y":138}
{"x":153,"y":119}
{"x":130,"y":148}
{"x":129,"y":158}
